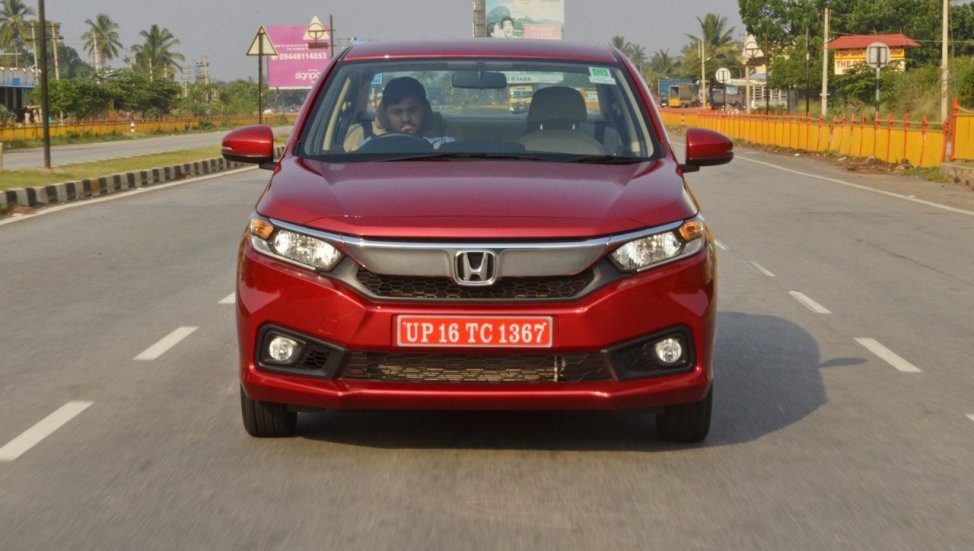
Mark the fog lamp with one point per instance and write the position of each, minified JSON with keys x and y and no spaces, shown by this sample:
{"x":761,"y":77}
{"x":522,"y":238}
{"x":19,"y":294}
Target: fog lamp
{"x":283,"y":350}
{"x":669,"y":351}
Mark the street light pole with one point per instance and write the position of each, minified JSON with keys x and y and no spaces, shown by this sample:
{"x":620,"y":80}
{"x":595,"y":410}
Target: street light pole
{"x":703,"y":76}
{"x":42,"y":44}
{"x":944,"y":70}
{"x":825,"y":65}
{"x":808,"y":74}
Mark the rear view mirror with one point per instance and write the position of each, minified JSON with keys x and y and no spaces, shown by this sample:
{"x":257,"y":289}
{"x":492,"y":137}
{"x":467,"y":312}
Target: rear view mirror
{"x":480,"y":80}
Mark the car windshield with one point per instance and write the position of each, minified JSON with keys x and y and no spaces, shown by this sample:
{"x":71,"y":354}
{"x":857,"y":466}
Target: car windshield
{"x":471,"y":109}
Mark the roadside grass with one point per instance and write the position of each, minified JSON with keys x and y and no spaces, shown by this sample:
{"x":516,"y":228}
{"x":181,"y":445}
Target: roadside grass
{"x":85,"y":137}
{"x":94,"y":169}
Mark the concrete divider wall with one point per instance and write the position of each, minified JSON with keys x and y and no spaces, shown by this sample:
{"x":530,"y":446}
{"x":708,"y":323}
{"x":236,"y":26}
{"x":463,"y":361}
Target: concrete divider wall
{"x":65,"y":192}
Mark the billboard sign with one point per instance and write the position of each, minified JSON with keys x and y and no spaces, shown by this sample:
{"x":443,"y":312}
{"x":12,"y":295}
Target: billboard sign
{"x":544,"y":19}
{"x":296,"y":65}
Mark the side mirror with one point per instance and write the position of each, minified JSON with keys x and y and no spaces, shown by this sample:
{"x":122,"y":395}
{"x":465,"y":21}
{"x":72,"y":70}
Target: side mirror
{"x":706,"y":148}
{"x":250,"y":144}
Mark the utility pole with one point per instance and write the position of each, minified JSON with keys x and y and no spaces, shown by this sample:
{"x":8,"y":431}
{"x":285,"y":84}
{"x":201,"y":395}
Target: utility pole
{"x":808,"y":74}
{"x":331,"y":36}
{"x":703,"y":76}
{"x":55,"y":29}
{"x":45,"y":104}
{"x":479,"y":19}
{"x":825,"y":65}
{"x":33,"y":39}
{"x":944,"y":69}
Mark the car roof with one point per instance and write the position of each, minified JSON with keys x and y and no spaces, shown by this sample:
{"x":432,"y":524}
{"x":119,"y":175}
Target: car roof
{"x":483,"y":47}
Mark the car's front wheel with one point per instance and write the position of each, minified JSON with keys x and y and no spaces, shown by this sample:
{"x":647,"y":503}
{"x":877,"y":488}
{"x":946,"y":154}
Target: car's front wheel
{"x":686,"y":422}
{"x":267,"y":419}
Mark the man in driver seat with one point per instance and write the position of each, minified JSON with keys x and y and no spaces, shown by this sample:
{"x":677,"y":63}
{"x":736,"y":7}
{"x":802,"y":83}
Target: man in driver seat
{"x":404,"y":109}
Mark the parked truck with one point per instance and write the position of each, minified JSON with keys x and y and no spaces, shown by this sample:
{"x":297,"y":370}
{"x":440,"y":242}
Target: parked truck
{"x":679,"y":92}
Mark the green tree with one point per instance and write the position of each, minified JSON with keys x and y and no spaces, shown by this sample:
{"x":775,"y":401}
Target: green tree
{"x":14,"y":26}
{"x":201,"y":100}
{"x":101,"y":40}
{"x":155,"y":56}
{"x":777,"y":24}
{"x":70,"y":63}
{"x":136,"y":91}
{"x":719,"y":47}
{"x":80,"y":98}
{"x":238,"y":97}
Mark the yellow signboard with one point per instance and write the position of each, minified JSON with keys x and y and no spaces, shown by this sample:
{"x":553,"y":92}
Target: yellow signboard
{"x":845,"y":60}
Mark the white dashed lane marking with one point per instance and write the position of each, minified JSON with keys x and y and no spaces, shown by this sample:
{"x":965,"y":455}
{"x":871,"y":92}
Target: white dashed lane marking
{"x":167,"y":342}
{"x":760,"y":269}
{"x":809,"y":303}
{"x":887,"y":355}
{"x":229,"y":299}
{"x":44,"y":428}
{"x":720,"y":245}
{"x":970,"y":416}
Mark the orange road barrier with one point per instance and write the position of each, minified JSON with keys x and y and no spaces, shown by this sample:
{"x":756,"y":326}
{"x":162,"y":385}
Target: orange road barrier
{"x":924,"y":145}
{"x":962,"y":134}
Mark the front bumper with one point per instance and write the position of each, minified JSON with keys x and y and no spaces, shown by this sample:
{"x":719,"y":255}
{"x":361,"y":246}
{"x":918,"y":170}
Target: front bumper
{"x":675,"y":297}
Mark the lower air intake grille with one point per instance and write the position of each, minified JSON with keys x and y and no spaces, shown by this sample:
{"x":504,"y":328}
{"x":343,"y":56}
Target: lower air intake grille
{"x":475,"y":368}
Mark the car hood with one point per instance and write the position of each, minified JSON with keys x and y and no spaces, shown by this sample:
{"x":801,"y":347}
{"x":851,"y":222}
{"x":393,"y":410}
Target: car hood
{"x":476,"y":199}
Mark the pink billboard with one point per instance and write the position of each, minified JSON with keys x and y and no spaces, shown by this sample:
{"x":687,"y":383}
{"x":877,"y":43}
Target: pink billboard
{"x":295,"y":65}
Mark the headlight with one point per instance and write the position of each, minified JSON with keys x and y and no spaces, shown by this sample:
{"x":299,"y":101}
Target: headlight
{"x":662,"y":247}
{"x":298,"y":248}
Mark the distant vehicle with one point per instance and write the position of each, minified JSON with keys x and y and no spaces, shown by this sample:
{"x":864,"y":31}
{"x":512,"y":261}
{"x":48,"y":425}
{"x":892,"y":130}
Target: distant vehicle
{"x":683,"y":95}
{"x":436,"y":253}
{"x":664,"y":86}
{"x":519,"y":98}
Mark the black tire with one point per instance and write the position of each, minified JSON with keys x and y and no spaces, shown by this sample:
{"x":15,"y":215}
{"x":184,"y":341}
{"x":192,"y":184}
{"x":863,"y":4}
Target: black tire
{"x":267,"y":419}
{"x":686,"y":422}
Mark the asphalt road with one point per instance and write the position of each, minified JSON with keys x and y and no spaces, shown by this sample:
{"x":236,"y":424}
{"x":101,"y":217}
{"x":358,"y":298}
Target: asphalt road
{"x":82,"y":153}
{"x":844,"y":405}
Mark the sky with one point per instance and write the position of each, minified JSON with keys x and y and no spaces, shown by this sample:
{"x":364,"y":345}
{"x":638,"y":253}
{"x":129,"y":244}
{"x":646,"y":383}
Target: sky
{"x":222,"y":30}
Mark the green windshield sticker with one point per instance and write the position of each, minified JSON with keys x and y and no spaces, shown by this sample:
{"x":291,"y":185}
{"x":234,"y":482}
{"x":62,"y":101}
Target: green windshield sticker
{"x":600,"y":75}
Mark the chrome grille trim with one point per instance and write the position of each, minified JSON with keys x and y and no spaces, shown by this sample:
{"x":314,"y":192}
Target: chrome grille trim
{"x":515,"y":258}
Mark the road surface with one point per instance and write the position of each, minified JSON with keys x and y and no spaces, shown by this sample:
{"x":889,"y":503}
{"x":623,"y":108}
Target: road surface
{"x":843,"y":417}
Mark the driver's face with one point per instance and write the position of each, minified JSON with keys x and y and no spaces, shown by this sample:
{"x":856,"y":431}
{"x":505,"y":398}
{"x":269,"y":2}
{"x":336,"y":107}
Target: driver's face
{"x":406,"y":116}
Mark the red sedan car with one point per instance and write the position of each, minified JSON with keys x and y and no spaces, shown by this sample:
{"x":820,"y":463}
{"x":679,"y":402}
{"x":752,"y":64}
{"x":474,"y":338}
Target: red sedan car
{"x":421,"y":245}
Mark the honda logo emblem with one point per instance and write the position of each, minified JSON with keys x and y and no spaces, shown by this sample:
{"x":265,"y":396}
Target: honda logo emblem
{"x":475,"y":268}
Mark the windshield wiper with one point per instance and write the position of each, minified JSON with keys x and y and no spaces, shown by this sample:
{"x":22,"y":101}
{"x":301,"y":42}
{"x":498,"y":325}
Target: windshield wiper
{"x":462,"y":156}
{"x":608,"y":160}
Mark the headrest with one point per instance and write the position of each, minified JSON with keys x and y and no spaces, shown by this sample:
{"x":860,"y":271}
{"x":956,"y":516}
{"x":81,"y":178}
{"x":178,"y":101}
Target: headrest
{"x":557,"y":103}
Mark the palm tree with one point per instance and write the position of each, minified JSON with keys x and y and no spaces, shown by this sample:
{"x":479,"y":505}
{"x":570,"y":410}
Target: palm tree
{"x":101,"y":40}
{"x":619,"y":42}
{"x":635,"y":52}
{"x":718,"y":43}
{"x":663,"y":64}
{"x":13,"y":26}
{"x":155,"y":55}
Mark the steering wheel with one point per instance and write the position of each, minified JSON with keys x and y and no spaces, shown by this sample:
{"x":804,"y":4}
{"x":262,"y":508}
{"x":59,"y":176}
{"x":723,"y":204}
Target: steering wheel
{"x":396,"y":142}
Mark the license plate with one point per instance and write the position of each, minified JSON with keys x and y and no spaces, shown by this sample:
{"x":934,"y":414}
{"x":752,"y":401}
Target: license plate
{"x":474,"y":331}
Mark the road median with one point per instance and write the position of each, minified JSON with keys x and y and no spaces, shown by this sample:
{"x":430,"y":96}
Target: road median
{"x":27,"y":198}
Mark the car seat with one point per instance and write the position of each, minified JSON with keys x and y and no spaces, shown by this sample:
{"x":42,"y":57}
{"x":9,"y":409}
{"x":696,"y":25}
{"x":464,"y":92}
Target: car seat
{"x":554,"y":120}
